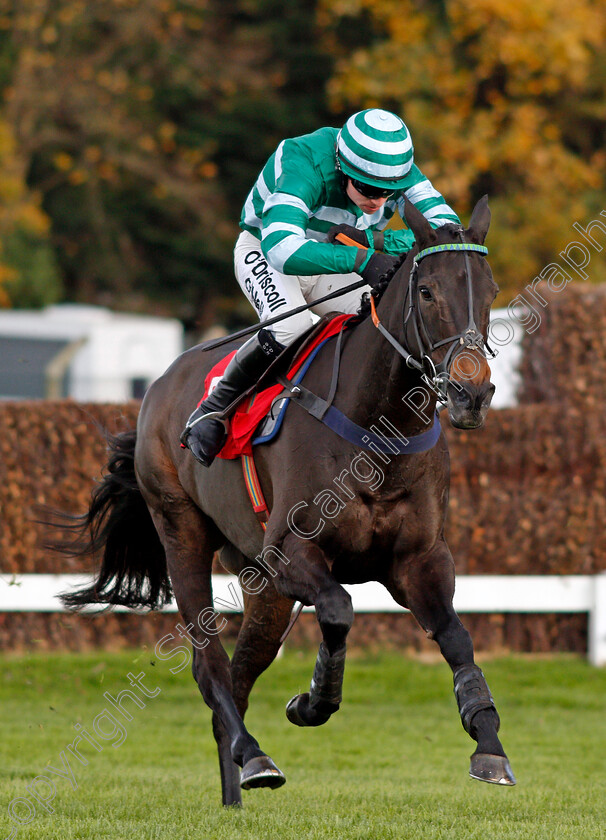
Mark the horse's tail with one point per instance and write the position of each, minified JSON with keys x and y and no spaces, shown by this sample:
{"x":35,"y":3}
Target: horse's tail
{"x":118,"y":525}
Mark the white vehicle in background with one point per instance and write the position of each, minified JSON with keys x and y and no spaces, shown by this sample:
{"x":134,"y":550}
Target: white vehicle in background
{"x":88,"y":353}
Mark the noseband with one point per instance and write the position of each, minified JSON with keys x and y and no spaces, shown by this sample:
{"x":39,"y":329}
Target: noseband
{"x":436,"y":375}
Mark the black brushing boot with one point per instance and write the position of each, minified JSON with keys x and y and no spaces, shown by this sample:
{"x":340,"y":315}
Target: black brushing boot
{"x":204,"y":433}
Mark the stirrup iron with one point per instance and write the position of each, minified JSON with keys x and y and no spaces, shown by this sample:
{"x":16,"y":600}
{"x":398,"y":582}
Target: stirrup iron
{"x":212,"y":415}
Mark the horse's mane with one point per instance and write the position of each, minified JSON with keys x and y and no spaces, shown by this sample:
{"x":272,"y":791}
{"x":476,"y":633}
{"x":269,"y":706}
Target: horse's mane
{"x":379,"y":289}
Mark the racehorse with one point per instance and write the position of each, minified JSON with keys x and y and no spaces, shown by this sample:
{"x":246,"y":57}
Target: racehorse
{"x":339,"y":513}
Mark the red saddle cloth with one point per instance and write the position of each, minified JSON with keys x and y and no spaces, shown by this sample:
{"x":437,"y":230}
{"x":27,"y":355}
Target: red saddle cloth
{"x":249,"y":414}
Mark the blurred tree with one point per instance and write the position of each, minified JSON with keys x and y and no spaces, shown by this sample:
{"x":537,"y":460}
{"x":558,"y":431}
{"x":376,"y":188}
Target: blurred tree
{"x":292,"y":100}
{"x":28,"y":273}
{"x":501,"y":98}
{"x":95,"y":96}
{"x":143,"y":124}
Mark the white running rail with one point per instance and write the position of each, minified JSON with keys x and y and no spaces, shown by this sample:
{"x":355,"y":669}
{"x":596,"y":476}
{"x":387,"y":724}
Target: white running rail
{"x":474,"y":594}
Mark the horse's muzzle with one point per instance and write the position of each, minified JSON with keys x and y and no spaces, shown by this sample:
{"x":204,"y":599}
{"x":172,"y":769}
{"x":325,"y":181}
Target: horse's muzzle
{"x":468,"y":403}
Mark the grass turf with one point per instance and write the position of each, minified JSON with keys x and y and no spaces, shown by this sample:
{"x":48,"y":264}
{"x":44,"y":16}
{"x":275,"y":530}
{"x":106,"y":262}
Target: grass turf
{"x":392,"y":763}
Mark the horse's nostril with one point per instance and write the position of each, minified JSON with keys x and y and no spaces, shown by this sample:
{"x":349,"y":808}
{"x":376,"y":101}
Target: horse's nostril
{"x":460,"y":396}
{"x":485,"y":395}
{"x":471,"y":397}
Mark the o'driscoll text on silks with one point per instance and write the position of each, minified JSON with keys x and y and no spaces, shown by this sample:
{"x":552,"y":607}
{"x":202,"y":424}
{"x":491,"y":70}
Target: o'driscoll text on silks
{"x":262,"y":280}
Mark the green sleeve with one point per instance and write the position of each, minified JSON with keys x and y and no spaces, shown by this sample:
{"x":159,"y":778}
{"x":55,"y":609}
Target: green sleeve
{"x":420,"y":192}
{"x":299,"y":189}
{"x":398,"y":241}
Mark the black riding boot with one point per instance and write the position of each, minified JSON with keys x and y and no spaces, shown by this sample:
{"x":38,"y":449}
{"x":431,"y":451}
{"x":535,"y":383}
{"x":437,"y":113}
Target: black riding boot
{"x":204,"y":435}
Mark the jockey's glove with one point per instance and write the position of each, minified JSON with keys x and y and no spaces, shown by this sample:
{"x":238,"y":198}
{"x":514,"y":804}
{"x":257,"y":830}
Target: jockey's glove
{"x":377,"y":266}
{"x":364,"y":238}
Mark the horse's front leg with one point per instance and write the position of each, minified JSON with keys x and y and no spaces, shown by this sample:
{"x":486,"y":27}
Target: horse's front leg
{"x":425,"y":585}
{"x":307,"y":578}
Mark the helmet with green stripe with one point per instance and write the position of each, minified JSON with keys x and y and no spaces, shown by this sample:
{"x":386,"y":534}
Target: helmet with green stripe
{"x":375,"y":147}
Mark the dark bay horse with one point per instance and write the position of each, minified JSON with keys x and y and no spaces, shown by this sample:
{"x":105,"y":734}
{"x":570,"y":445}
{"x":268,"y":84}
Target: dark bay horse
{"x":339,"y":513}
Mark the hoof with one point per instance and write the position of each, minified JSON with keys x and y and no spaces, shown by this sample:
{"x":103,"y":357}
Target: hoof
{"x":261,"y":772}
{"x":491,"y":768}
{"x":292,"y":709}
{"x":299,"y":712}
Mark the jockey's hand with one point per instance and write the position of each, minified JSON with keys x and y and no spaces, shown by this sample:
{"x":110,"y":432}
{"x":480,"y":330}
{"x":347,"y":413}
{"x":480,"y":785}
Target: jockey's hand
{"x":364,"y":238}
{"x":378,"y":265}
{"x":359,"y":236}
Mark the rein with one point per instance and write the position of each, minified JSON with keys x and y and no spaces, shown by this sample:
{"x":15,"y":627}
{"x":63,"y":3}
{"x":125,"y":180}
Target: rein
{"x":471,"y":338}
{"x":373,"y":439}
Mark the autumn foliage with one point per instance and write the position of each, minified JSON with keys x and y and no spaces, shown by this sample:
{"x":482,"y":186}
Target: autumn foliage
{"x":502,"y":98}
{"x":132,"y":130}
{"x":138,"y":128}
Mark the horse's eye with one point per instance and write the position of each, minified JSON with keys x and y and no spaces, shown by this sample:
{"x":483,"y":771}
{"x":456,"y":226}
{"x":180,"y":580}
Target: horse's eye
{"x":425,"y":293}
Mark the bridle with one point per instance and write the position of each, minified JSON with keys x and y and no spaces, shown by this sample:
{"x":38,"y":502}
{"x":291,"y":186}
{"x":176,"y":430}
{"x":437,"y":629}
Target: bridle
{"x":437,"y":375}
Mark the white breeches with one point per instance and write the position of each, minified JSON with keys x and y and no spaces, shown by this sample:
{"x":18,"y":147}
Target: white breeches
{"x":272,"y":293}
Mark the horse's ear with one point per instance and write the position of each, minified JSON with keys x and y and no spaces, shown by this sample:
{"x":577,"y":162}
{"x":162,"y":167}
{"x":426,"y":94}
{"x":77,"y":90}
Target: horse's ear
{"x":479,"y":222}
{"x":416,"y":221}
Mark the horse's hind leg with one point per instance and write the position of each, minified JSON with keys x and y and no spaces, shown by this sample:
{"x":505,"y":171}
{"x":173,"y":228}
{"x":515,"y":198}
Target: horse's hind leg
{"x":230,"y":772}
{"x":306,"y":577}
{"x":425,"y":585}
{"x":187,"y":536}
{"x":266,"y":616}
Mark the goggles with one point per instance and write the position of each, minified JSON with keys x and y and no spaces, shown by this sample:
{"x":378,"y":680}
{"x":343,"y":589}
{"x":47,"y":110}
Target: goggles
{"x":368,"y":191}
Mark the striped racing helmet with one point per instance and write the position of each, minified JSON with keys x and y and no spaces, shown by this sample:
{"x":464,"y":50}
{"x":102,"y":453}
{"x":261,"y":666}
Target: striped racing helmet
{"x":375,"y":147}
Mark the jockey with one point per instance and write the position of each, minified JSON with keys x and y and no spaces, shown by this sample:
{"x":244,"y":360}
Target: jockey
{"x":311,"y":189}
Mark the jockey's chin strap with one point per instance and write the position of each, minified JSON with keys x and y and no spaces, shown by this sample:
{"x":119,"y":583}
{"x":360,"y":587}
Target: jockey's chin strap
{"x":471,"y":338}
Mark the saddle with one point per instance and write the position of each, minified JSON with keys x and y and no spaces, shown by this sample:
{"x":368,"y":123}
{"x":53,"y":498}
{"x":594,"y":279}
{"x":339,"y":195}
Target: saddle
{"x":260,"y":412}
